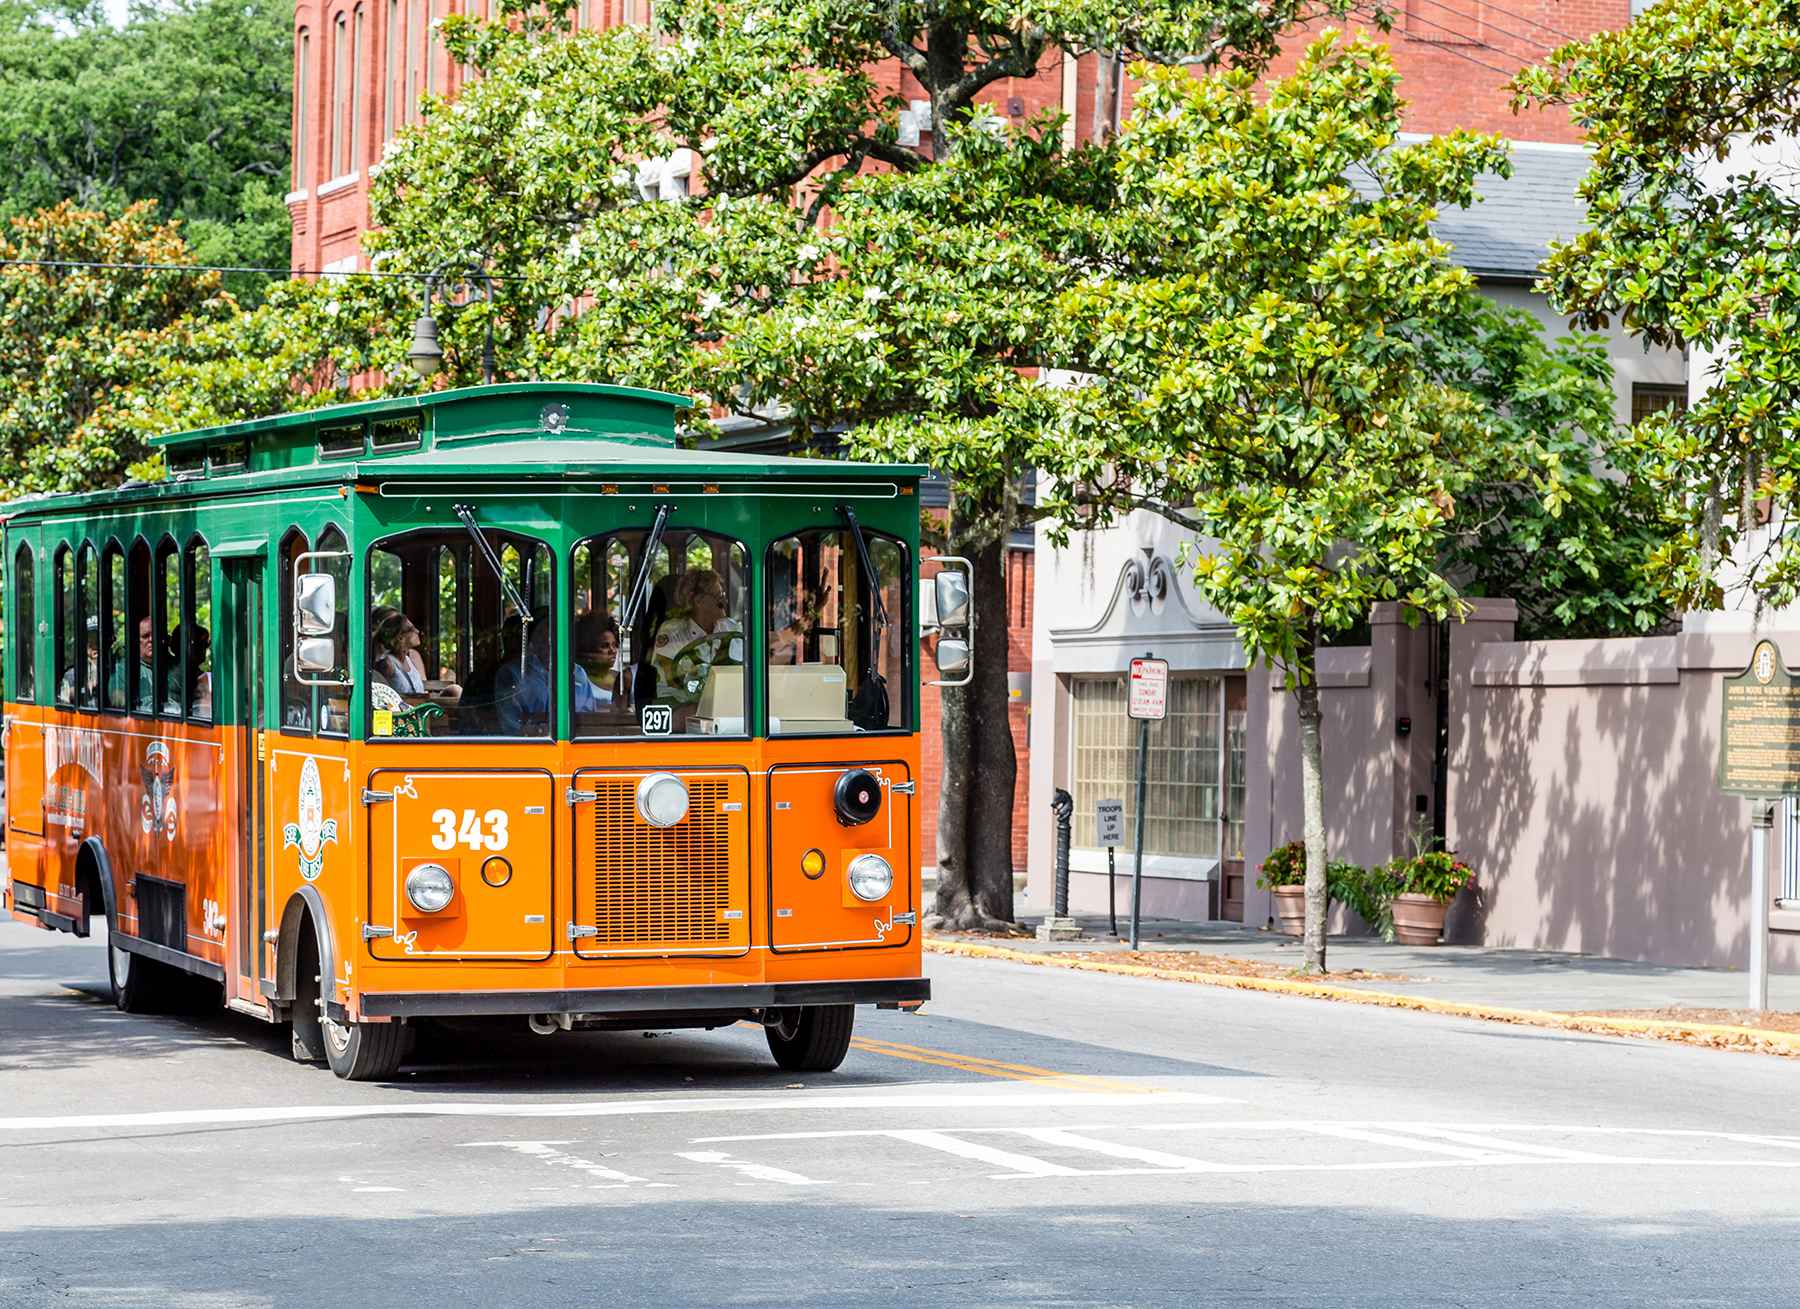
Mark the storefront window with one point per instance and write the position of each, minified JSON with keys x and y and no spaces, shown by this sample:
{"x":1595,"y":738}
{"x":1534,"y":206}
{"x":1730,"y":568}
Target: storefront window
{"x":1186,"y":765}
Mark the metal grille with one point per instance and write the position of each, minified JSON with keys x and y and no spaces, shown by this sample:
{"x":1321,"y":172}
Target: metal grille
{"x":661,"y":884}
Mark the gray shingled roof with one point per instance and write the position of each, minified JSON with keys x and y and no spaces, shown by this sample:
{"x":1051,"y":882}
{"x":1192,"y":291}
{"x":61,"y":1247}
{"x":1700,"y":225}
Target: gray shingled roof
{"x":1508,"y":231}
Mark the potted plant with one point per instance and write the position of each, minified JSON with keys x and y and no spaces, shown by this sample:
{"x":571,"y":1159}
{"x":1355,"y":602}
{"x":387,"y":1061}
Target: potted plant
{"x":1425,"y":886}
{"x":1283,"y":875}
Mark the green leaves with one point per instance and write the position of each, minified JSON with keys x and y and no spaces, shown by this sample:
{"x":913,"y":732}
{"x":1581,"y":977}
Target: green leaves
{"x":1693,"y":111}
{"x":187,"y":104}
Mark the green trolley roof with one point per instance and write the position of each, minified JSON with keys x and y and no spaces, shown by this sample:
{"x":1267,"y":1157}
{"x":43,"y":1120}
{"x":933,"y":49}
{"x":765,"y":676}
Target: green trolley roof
{"x":532,"y":435}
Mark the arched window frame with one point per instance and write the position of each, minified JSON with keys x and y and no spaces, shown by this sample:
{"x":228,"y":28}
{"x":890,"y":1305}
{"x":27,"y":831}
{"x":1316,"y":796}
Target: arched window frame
{"x":139,"y":578}
{"x":302,"y":106}
{"x":337,"y":721}
{"x":23,"y":625}
{"x":115,"y":641}
{"x":63,"y":579}
{"x":200,"y":707}
{"x":171,"y":650}
{"x":297,"y":712}
{"x":87,"y":585}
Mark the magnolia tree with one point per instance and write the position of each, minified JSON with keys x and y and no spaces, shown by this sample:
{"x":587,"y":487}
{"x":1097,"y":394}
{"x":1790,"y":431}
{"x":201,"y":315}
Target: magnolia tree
{"x":1286,"y":374}
{"x":821,"y":272}
{"x":1693,"y":205}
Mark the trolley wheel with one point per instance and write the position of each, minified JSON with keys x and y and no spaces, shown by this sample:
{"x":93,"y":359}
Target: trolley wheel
{"x":139,"y":985}
{"x":813,"y":1038}
{"x":363,"y":1052}
{"x":308,"y":1028}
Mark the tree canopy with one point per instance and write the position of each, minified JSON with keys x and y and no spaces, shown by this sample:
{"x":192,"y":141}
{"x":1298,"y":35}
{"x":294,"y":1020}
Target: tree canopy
{"x":1693,"y":205}
{"x":188,"y":104}
{"x":1295,"y":368}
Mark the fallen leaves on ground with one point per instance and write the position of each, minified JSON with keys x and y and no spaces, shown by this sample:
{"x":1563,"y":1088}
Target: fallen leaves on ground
{"x":1768,"y":1020}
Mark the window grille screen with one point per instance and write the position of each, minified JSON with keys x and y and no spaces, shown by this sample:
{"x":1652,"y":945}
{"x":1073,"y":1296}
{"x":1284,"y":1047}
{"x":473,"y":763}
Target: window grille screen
{"x":1182,"y":810}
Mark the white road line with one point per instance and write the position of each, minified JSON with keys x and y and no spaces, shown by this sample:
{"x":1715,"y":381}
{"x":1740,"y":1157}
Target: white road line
{"x":761,"y":1172}
{"x":1073,"y":1141}
{"x":251,"y":1116}
{"x":1403,"y":1142}
{"x":549,"y":1154}
{"x":1017,"y":1165}
{"x":1508,"y":1147}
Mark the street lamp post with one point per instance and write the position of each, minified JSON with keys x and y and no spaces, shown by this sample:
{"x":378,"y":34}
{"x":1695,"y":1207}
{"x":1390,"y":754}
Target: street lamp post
{"x":425,"y":354}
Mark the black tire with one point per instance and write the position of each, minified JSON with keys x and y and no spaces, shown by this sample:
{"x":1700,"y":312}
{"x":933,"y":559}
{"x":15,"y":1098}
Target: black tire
{"x":139,"y":985}
{"x":813,"y":1038}
{"x":363,"y":1052}
{"x":308,"y":1032}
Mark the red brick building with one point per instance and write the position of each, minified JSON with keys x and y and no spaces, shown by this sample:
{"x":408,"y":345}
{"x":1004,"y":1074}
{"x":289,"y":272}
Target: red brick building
{"x":361,"y":65}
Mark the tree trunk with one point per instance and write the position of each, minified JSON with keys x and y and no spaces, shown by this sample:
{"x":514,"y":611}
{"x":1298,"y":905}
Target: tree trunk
{"x":975,"y":800}
{"x":1312,"y":804}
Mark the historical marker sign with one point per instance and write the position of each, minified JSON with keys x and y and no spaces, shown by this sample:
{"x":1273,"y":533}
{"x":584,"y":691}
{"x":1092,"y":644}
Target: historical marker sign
{"x":1149,"y":698}
{"x":1759,"y":740}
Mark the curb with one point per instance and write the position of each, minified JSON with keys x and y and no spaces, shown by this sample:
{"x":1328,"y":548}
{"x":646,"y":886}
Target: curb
{"x":1715,"y":1036}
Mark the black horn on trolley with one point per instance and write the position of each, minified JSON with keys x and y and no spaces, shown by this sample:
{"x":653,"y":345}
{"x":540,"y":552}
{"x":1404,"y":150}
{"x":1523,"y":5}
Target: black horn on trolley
{"x":857,"y":797}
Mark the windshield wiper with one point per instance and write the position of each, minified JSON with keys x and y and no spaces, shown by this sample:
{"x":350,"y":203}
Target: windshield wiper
{"x":493,"y":561}
{"x":640,"y":586}
{"x":868,"y":564}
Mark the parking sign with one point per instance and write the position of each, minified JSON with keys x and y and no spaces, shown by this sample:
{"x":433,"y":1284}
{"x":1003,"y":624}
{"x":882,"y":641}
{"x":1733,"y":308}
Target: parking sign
{"x":1149,"y":697}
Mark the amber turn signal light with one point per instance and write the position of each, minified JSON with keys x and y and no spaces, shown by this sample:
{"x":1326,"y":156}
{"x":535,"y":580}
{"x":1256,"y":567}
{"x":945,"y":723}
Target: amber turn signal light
{"x":812,"y":863}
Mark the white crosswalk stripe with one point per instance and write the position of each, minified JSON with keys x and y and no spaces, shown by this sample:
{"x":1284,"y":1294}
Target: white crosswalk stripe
{"x":1018,"y":1165}
{"x":1114,"y":1149}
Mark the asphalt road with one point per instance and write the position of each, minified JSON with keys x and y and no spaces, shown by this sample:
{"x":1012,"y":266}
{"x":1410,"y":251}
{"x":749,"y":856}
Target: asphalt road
{"x":1036,"y":1137}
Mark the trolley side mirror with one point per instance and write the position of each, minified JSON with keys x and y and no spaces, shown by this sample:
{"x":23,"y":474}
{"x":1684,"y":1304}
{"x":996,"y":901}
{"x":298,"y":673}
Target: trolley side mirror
{"x":315,"y":654}
{"x":315,"y":620}
{"x":315,"y":604}
{"x":947,"y":607}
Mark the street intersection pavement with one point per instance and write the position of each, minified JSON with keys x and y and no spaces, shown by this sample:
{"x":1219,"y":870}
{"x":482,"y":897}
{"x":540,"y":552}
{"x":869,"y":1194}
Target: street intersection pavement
{"x":1035,"y":1137}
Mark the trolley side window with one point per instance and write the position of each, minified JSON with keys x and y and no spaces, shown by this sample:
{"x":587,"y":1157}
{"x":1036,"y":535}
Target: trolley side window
{"x":837,"y":633}
{"x":24,"y":628}
{"x":449,"y":652}
{"x":165,"y":619}
{"x":65,"y":626}
{"x":145,"y":639}
{"x":87,"y":628}
{"x":675,"y":666}
{"x":114,"y":652}
{"x":296,"y":695}
{"x":196,"y":630}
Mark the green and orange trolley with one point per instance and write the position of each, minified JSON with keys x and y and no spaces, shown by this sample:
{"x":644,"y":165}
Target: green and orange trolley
{"x":485,"y":702}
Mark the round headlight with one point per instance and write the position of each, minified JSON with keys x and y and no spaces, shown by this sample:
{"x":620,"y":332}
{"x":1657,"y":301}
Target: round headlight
{"x":430,"y":887}
{"x":870,"y":877}
{"x":662,"y":800}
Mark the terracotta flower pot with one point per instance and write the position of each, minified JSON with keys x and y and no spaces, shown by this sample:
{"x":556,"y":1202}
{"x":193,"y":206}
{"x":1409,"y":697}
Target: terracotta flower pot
{"x":1418,"y":919}
{"x":1290,"y":909}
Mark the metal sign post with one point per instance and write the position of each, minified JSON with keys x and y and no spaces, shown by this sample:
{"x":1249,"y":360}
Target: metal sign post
{"x":1148,"y":702}
{"x":1759,"y":757}
{"x":1109,"y":829}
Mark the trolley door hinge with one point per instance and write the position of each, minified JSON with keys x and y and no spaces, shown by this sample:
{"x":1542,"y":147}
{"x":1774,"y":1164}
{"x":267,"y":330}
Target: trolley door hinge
{"x":904,"y":788}
{"x":578,"y":933}
{"x":262,"y":747}
{"x":272,"y":937}
{"x":908,"y":918}
{"x":576,"y":797}
{"x":377,"y":797}
{"x":370,"y":931}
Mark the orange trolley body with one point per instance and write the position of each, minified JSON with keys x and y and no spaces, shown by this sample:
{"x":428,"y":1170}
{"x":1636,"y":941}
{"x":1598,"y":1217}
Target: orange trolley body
{"x":488,"y":702}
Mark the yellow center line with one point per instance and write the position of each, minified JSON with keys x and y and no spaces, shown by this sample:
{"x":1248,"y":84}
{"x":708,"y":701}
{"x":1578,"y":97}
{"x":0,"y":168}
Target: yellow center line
{"x":993,"y":1067}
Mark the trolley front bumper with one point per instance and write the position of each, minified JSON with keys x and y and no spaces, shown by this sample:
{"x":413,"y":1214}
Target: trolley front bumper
{"x":649,"y":1001}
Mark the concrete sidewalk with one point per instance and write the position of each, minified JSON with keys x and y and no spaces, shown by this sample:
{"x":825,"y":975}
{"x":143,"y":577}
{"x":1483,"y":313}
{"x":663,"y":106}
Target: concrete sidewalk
{"x":1521,"y":979}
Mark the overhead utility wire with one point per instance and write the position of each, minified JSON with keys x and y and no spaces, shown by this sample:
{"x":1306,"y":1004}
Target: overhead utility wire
{"x":1545,"y":46}
{"x":1447,"y":48}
